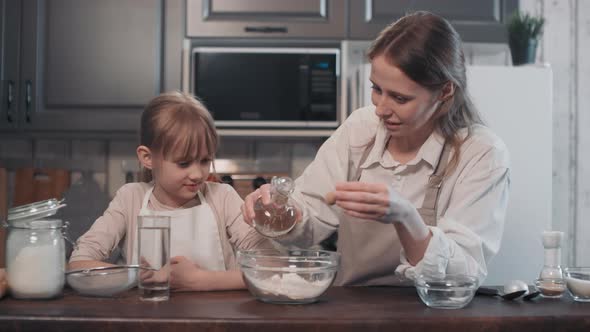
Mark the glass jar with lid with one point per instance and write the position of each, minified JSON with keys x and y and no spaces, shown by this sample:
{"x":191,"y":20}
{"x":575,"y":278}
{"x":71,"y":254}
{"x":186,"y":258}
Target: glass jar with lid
{"x":35,"y":251}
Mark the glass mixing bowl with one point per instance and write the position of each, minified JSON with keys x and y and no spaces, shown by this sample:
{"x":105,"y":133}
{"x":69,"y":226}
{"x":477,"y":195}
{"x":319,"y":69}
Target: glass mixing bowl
{"x":291,"y":276}
{"x":451,"y":291}
{"x":577,"y":280}
{"x":103,"y":281}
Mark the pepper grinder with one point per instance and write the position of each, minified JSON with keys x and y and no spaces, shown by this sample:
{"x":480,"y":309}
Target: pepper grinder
{"x":551,"y":283}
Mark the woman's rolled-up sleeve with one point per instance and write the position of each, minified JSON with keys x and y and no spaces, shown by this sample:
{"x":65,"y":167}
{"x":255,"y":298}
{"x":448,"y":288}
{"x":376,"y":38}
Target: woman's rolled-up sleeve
{"x":469,"y":233}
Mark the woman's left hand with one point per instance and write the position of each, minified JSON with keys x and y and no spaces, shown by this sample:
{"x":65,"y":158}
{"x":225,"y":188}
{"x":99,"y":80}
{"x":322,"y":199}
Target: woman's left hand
{"x":373,"y":201}
{"x":376,"y":201}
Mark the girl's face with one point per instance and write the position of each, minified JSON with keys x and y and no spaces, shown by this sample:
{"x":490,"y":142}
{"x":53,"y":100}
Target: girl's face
{"x":178,"y":179}
{"x":406,"y":108}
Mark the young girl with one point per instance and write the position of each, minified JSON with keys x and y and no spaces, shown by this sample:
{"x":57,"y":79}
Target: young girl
{"x":177,"y":147}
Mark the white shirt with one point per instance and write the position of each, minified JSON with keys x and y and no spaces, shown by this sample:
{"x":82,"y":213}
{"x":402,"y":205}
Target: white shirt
{"x":471,"y":205}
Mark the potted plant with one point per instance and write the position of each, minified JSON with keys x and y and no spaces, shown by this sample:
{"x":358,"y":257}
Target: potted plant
{"x":524,"y":31}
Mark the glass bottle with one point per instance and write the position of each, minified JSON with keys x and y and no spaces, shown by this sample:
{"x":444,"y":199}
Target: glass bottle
{"x":279,"y":217}
{"x":551,"y":283}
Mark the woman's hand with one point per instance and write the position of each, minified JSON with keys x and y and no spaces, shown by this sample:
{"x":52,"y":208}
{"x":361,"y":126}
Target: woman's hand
{"x":248,"y":207}
{"x":376,"y":201}
{"x":362,"y":200}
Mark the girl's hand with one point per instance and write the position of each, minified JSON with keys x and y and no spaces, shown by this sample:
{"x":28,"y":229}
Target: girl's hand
{"x":153,"y":276}
{"x":186,"y":275}
{"x":379,"y":202}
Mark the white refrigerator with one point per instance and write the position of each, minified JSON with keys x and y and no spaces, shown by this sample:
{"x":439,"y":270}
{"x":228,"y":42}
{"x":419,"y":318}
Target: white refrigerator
{"x":516,"y":102}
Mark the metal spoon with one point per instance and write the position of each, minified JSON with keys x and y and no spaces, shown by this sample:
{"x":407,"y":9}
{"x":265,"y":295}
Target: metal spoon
{"x":513,"y":289}
{"x":495,"y":292}
{"x":114,"y":267}
{"x":531,"y":296}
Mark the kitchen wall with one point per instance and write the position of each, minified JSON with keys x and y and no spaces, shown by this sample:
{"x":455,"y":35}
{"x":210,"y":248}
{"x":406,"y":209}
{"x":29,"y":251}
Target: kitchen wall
{"x":110,"y":162}
{"x":566,"y":47}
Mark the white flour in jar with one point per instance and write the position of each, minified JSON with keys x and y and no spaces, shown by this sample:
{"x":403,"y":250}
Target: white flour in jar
{"x":37,"y":272}
{"x":291,"y":285}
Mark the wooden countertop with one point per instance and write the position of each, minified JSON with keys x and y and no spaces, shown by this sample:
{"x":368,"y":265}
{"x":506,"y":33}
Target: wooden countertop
{"x":340,"y":309}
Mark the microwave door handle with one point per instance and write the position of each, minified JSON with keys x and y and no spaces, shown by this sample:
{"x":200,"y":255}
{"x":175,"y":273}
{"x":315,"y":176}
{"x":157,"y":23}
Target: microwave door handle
{"x":304,"y":89}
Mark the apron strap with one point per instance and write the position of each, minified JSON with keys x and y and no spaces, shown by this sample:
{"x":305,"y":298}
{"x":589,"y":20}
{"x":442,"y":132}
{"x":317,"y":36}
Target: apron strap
{"x":146,"y":199}
{"x":201,"y":197}
{"x":435,"y":181}
{"x":364,"y":156}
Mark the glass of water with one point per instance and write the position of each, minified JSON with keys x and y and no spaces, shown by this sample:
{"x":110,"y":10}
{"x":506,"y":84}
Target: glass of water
{"x":154,"y":257}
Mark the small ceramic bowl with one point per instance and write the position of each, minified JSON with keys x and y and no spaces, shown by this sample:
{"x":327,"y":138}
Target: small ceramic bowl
{"x":578,"y":283}
{"x":451,"y":291}
{"x":103,"y":282}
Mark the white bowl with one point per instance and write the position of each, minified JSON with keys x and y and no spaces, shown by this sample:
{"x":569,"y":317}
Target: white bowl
{"x":451,"y":291}
{"x":292,"y":277}
{"x":103,"y":283}
{"x":578,"y":283}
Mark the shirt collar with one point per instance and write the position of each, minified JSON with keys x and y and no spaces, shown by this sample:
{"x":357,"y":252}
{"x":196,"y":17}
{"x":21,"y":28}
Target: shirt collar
{"x":429,"y":152}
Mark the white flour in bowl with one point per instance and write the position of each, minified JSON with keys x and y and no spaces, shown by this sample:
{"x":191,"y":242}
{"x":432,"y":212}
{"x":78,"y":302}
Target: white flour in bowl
{"x":291,"y":285}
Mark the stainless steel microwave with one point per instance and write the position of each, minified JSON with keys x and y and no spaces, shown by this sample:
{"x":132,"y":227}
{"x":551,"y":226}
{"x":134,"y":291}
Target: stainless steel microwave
{"x":262,"y":87}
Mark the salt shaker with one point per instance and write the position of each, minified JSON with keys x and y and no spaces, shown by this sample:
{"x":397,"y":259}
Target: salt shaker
{"x":551,"y":283}
{"x":280,"y":216}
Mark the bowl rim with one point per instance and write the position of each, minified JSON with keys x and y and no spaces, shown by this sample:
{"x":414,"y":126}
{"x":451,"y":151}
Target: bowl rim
{"x":264,"y":253}
{"x":423,"y":280}
{"x":577,"y":269}
{"x":92,"y":272}
{"x":331,"y":258}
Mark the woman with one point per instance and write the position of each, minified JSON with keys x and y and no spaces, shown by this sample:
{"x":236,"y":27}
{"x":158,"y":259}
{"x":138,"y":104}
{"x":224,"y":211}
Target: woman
{"x":419,"y":184}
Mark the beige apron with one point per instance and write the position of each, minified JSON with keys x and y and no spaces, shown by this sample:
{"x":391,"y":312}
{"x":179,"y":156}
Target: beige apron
{"x":194,"y":234}
{"x":370,"y":250}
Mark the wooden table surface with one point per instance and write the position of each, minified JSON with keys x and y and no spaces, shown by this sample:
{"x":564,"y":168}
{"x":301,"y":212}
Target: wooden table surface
{"x":340,"y":309}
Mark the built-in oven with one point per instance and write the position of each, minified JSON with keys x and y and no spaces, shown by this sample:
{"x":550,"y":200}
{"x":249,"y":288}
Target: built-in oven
{"x":268,"y":87}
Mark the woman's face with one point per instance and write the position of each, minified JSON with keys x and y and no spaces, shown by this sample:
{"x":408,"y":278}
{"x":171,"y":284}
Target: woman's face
{"x":406,"y":108}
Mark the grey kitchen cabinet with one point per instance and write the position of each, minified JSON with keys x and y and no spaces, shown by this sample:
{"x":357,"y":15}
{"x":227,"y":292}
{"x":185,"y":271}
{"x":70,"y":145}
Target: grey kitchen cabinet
{"x":476,"y":21}
{"x":9,"y":61}
{"x":93,"y":65}
{"x":267,"y":18}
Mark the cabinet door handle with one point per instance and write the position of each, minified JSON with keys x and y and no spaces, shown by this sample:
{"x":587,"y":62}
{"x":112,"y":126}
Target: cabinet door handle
{"x":28,"y":99}
{"x":266,"y":29}
{"x":9,"y":100}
